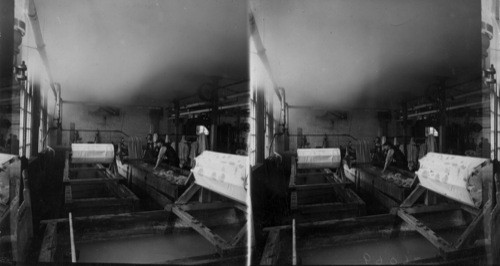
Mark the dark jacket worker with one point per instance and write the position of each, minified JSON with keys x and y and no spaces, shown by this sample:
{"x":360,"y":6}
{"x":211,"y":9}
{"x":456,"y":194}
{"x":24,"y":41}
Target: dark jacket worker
{"x":394,"y":157}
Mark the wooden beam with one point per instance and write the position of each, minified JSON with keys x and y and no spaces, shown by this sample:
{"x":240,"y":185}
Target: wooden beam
{"x":239,"y":236}
{"x":468,"y":233}
{"x":68,"y":195}
{"x":414,"y":196}
{"x":49,"y":243}
{"x":294,"y":244}
{"x":80,"y":169}
{"x":188,"y":194}
{"x":89,"y":181}
{"x":220,"y":244}
{"x":349,"y":222}
{"x":321,"y":186}
{"x":312,"y":174}
{"x":470,"y":209}
{"x":328,"y":207}
{"x":241,"y":207}
{"x":97,"y":202}
{"x":272,"y":249}
{"x":196,"y":206}
{"x":432,"y":208}
{"x":293,"y":172}
{"x":114,"y":218}
{"x":211,"y":259}
{"x":66,"y":169}
{"x":442,"y":245}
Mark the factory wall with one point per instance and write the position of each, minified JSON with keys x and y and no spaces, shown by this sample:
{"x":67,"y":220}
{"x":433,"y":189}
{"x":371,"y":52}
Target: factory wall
{"x":359,"y":124}
{"x":133,"y":121}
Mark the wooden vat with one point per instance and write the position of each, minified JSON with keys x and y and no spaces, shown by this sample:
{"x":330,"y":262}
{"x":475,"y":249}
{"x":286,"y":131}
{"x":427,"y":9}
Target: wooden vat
{"x":133,"y":229}
{"x":322,"y":194}
{"x":162,"y":188}
{"x":368,"y":179}
{"x":93,"y":190}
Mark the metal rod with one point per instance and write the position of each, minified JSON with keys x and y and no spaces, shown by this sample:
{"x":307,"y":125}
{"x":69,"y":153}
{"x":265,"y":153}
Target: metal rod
{"x":95,"y":130}
{"x":322,"y":135}
{"x":294,"y":244}
{"x":72,"y":237}
{"x":447,"y":109}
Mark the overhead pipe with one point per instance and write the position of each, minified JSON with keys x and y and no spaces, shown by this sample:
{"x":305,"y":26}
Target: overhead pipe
{"x":448,"y":109}
{"x":37,"y":32}
{"x":261,"y":52}
{"x":220,"y":87}
{"x":209,"y":109}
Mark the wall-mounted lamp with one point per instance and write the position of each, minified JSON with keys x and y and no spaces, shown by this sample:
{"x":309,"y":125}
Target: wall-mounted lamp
{"x":21,"y":72}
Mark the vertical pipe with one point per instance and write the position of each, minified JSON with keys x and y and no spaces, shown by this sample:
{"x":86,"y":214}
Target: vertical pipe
{"x":215,"y":118}
{"x":495,"y":143}
{"x":294,"y":244}
{"x":72,"y":238}
{"x":177,"y":124}
{"x":405,"y":128}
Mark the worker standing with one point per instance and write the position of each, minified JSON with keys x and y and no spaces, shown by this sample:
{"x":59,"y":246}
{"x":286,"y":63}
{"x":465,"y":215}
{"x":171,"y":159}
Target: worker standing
{"x":394,"y":157}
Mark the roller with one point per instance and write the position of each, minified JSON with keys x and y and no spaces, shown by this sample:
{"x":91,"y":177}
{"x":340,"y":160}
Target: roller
{"x":459,"y":178}
{"x":92,"y":153}
{"x":318,"y":158}
{"x":222,"y":173}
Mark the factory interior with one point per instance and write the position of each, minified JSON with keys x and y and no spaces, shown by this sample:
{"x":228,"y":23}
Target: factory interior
{"x":376,"y":132}
{"x":249,"y":132}
{"x":104,"y":107}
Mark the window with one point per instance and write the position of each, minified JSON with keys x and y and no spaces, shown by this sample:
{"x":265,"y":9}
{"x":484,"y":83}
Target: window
{"x":251,"y":134}
{"x":26,"y":97}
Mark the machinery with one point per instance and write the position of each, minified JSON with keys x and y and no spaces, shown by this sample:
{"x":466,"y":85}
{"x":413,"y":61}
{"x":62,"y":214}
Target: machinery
{"x":206,"y":224}
{"x":441,"y":220}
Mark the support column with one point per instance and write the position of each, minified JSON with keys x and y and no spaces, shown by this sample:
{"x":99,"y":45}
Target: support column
{"x":442,"y":119}
{"x":260,"y":127}
{"x":215,"y":118}
{"x":405,"y":127}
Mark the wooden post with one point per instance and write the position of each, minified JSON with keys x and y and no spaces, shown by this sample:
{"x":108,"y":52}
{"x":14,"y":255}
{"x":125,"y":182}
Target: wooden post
{"x":294,"y":244}
{"x":72,"y":238}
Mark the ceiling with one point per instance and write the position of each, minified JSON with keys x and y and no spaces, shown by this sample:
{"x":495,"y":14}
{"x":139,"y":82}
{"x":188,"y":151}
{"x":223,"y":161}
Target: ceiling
{"x":143,"y":51}
{"x":368,"y":54}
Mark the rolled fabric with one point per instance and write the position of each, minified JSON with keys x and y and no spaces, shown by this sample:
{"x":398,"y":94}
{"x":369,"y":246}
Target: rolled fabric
{"x":460,"y":178}
{"x":222,"y":173}
{"x":318,"y":158}
{"x":92,"y":153}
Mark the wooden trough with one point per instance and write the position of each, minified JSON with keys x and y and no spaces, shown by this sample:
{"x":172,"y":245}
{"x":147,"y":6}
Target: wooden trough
{"x":216,"y":176}
{"x":319,"y":194}
{"x":447,"y":230}
{"x":206,"y":224}
{"x":142,"y":237}
{"x":91,"y":189}
{"x":368,"y":180}
{"x":162,"y":185}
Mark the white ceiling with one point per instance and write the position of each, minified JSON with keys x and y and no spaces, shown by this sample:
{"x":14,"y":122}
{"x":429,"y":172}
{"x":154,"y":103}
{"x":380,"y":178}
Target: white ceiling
{"x":359,"y":53}
{"x":143,"y":51}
